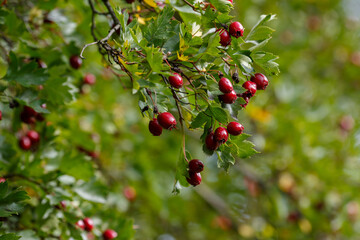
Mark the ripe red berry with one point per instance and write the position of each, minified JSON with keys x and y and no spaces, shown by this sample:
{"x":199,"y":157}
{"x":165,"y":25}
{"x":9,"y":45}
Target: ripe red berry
{"x":231,"y":1}
{"x":210,"y":142}
{"x":235,"y":128}
{"x":228,"y":97}
{"x":2,"y":179}
{"x":130,"y":193}
{"x":225,"y":38}
{"x":155,"y":128}
{"x":236,"y":29}
{"x":225,"y":85}
{"x":28,"y":115}
{"x":63,"y":204}
{"x":167,"y":120}
{"x":25,"y":143}
{"x":221,"y":135}
{"x":75,"y":62}
{"x":0,"y":115}
{"x":194,"y":178}
{"x":196,"y":165}
{"x":250,"y":86}
{"x":33,"y":136}
{"x":109,"y":234}
{"x":260,"y":80}
{"x":176,"y":80}
{"x":90,"y":79}
{"x":80,"y":224}
{"x":88,"y":224}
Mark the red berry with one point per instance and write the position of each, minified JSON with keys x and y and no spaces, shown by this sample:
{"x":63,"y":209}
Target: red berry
{"x":246,"y":100}
{"x":130,"y":1}
{"x":80,"y":224}
{"x":0,"y":115}
{"x":228,"y":97}
{"x":221,"y":135}
{"x":88,"y":224}
{"x":28,"y":115}
{"x":109,"y":234}
{"x":211,"y":143}
{"x":167,"y":120}
{"x":235,"y":128}
{"x":196,"y":165}
{"x":33,"y":136}
{"x":2,"y":179}
{"x":63,"y":204}
{"x":194,"y":178}
{"x":130,"y":193}
{"x":260,"y":80}
{"x":176,"y":80}
{"x":90,"y":79}
{"x":25,"y":143}
{"x":231,"y":1}
{"x":225,"y":38}
{"x":225,"y":85}
{"x":155,"y":128}
{"x":250,"y":86}
{"x":75,"y":62}
{"x":236,"y":29}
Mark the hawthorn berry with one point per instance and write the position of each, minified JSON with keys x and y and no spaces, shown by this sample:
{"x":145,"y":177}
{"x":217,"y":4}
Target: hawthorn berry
{"x":33,"y":136}
{"x":109,"y":234}
{"x":167,"y":120}
{"x":176,"y":80}
{"x":260,"y":80}
{"x":250,"y":86}
{"x":236,"y":29}
{"x":2,"y":179}
{"x":25,"y":143}
{"x":0,"y":115}
{"x":235,"y":128}
{"x":221,"y":135}
{"x":75,"y":62}
{"x":155,"y":128}
{"x":130,"y":193}
{"x":28,"y":115}
{"x":228,"y":97}
{"x":196,"y":165}
{"x":89,"y":79}
{"x":225,"y":85}
{"x":225,"y":38}
{"x":88,"y":224}
{"x":63,"y":204}
{"x":210,"y":142}
{"x":194,"y":178}
{"x":80,"y":224}
{"x":231,"y":1}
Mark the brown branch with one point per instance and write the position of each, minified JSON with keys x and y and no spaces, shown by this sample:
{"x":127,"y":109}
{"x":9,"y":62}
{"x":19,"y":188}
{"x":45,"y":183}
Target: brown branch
{"x":111,"y":12}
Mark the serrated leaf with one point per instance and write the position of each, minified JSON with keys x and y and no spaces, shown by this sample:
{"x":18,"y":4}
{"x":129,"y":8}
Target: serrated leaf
{"x":77,"y":166}
{"x":225,"y":158}
{"x":260,"y":33}
{"x":92,"y":191}
{"x":219,"y":114}
{"x":158,"y":29}
{"x":9,"y":236}
{"x":223,"y":6}
{"x":200,"y":120}
{"x":266,"y":61}
{"x":181,"y":172}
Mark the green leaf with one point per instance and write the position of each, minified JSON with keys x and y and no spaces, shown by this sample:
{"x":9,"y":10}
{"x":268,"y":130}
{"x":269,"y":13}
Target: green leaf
{"x":225,"y":158}
{"x":77,"y":166}
{"x":9,"y":236}
{"x":154,"y":57}
{"x":200,"y":120}
{"x":266,"y":61}
{"x":219,"y":114}
{"x":260,"y":33}
{"x":92,"y":191}
{"x":244,"y":148}
{"x":181,"y":172}
{"x":223,"y":6}
{"x":159,"y":28}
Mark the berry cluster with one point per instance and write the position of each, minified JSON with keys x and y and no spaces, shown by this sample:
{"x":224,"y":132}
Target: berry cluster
{"x":235,"y":29}
{"x":195,"y":167}
{"x":29,"y":140}
{"x":164,"y":120}
{"x":87,"y":224}
{"x":214,"y":139}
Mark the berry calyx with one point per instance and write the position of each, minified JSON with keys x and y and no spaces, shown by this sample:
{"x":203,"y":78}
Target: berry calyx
{"x":109,"y":234}
{"x":88,"y":224}
{"x":25,"y":143}
{"x":210,"y":142}
{"x":196,"y":166}
{"x":250,"y":86}
{"x":130,"y":193}
{"x":225,"y":85}
{"x":221,"y":135}
{"x":80,"y":224}
{"x":89,"y":79}
{"x":225,"y":38}
{"x":33,"y":136}
{"x":75,"y":62}
{"x":167,"y":120}
{"x":235,"y":128}
{"x":176,"y":81}
{"x":236,"y":29}
{"x":194,"y":178}
{"x":260,"y":80}
{"x":228,"y":97}
{"x":155,"y":128}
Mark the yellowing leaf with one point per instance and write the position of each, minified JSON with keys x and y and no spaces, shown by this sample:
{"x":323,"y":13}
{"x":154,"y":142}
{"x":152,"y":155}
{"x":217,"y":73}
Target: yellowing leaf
{"x":182,"y":57}
{"x":151,"y":3}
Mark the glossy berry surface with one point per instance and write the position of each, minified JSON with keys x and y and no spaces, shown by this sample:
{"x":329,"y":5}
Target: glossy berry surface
{"x":221,"y":135}
{"x":194,"y":178}
{"x":250,"y":86}
{"x":167,"y":120}
{"x":25,"y":143}
{"x":236,"y":29}
{"x":228,"y":97}
{"x":225,"y":38}
{"x":260,"y":80}
{"x":235,"y":128}
{"x":33,"y":136}
{"x":211,"y":143}
{"x":196,"y":166}
{"x":88,"y":224}
{"x":109,"y":234}
{"x":231,"y":1}
{"x":80,"y":224}
{"x":176,"y":80}
{"x":75,"y":62}
{"x":90,"y":79}
{"x":225,"y":85}
{"x":155,"y":128}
